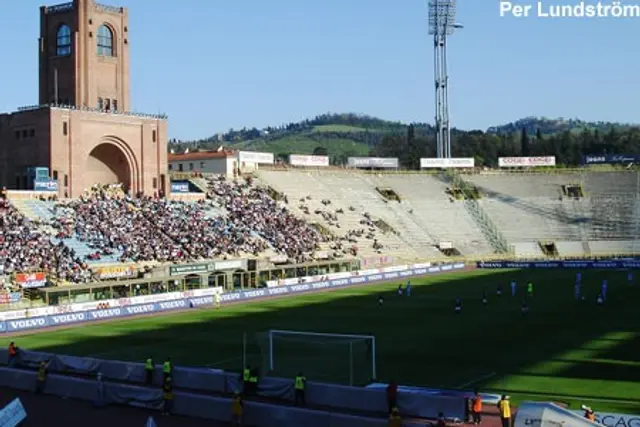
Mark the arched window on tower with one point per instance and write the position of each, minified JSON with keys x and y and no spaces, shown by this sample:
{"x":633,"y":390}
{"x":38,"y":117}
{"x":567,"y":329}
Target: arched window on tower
{"x":63,"y":41}
{"x":105,"y":41}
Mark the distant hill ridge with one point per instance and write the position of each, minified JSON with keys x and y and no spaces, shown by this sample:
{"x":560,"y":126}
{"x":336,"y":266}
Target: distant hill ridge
{"x":344,"y":135}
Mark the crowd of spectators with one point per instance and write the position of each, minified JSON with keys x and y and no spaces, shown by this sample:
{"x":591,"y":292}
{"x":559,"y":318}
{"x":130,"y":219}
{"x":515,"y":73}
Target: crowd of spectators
{"x":253,"y":207}
{"x":25,"y":247}
{"x":236,"y":219}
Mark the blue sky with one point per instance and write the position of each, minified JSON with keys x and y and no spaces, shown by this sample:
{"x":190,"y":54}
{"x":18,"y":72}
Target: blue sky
{"x":217,"y":64}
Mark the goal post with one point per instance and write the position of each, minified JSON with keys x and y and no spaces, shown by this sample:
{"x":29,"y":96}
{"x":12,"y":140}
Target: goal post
{"x":329,"y":357}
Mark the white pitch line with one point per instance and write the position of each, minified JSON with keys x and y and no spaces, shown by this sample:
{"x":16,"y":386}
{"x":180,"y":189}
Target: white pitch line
{"x":477,"y":380}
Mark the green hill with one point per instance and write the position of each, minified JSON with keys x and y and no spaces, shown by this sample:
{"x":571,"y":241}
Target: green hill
{"x":343,"y":135}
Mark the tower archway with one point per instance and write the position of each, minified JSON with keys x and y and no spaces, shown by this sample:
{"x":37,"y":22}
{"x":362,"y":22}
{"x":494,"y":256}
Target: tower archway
{"x":110,"y":162}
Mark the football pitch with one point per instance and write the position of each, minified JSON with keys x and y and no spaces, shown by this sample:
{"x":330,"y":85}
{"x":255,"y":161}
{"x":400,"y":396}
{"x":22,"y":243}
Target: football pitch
{"x":564,"y":350}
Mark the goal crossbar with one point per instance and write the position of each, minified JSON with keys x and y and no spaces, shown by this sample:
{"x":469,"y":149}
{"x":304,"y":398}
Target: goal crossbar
{"x":353,"y":337}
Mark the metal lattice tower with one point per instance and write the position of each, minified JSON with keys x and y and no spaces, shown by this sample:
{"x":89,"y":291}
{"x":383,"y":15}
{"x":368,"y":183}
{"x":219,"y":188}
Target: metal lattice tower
{"x":442,"y":23}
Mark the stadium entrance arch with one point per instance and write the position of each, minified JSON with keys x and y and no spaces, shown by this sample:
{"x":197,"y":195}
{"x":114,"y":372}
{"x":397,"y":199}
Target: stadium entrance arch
{"x":111,"y":161}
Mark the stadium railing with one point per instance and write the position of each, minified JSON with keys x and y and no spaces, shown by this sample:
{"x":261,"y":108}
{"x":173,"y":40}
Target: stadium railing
{"x":94,"y":110}
{"x":195,"y":381}
{"x":258,"y":414}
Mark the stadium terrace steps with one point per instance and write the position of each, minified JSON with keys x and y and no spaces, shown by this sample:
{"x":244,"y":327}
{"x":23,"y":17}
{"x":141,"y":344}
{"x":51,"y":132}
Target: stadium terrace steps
{"x":82,"y":250}
{"x":604,"y":247}
{"x":439,"y":217}
{"x":344,"y":190}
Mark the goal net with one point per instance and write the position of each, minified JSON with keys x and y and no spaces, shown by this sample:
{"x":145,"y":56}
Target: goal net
{"x":336,"y":358}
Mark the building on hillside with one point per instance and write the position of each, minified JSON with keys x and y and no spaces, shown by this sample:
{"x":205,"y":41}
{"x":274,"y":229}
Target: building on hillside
{"x":81,"y":129}
{"x":223,"y":162}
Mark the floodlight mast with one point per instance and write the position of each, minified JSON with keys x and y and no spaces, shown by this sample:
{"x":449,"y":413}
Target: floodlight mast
{"x":442,"y":23}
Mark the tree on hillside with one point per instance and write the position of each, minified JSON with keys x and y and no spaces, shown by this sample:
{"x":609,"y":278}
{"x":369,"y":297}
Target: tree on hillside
{"x":524,"y":143}
{"x":320,"y":151}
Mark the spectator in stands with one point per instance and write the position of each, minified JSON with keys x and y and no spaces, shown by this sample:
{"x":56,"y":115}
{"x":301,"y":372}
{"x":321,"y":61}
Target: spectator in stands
{"x":25,"y":247}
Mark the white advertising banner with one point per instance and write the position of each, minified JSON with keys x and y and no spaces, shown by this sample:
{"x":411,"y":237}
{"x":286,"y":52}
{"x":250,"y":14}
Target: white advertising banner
{"x":526,"y":162}
{"x":608,"y":419}
{"x":302,"y":160}
{"x":462,"y":162}
{"x":373,"y":162}
{"x":548,"y":415}
{"x":122,"y":302}
{"x":255,"y":157}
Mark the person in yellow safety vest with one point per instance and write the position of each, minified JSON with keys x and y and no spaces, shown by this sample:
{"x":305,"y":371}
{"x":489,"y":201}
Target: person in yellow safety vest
{"x":167,"y":368}
{"x":246,"y":376}
{"x":253,"y":383}
{"x":167,"y":395}
{"x":395,"y":420}
{"x":216,"y":299}
{"x":237,"y":407}
{"x":504,"y":406}
{"x":41,"y":377}
{"x":148,"y":371}
{"x":300,"y":386}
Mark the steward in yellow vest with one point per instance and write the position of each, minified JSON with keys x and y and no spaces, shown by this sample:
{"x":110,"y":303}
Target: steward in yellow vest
{"x":167,"y":368}
{"x":300,"y":386}
{"x":148,"y":371}
{"x":504,"y":406}
{"x":41,"y":377}
{"x":167,"y":395}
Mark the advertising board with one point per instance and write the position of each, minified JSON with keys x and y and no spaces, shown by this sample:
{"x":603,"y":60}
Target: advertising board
{"x":9,"y":297}
{"x":434,"y":163}
{"x":13,"y":414}
{"x":610,"y":159}
{"x":561,"y":264}
{"x":31,"y":280}
{"x":45,"y":185}
{"x":315,"y":161}
{"x":608,"y":419}
{"x":548,"y":414}
{"x":179,"y":187}
{"x":526,"y":162}
{"x":373,"y":162}
{"x":193,"y":299}
{"x":255,"y":157}
{"x":116,"y":272}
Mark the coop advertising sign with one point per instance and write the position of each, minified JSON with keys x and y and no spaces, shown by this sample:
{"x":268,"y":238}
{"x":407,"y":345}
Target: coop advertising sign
{"x":255,"y":157}
{"x":31,"y":280}
{"x":316,"y":161}
{"x":194,"y":299}
{"x":462,"y":162}
{"x":610,"y":159}
{"x":526,"y":162}
{"x":373,"y":162}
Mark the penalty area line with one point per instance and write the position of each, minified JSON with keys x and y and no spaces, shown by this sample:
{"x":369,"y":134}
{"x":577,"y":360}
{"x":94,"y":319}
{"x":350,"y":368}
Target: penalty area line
{"x":477,"y":380}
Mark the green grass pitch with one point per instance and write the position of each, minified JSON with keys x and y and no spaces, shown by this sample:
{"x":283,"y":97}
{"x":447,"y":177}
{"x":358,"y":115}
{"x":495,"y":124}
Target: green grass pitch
{"x":564,"y":350}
